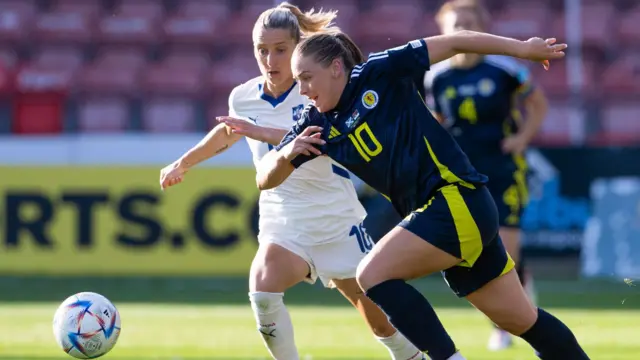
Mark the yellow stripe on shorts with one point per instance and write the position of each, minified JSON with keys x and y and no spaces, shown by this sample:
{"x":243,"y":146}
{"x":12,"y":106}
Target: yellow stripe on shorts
{"x":468,"y":232}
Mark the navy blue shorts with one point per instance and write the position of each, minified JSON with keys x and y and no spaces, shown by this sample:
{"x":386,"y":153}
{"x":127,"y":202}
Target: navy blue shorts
{"x":508,"y":187}
{"x":464,"y":223}
{"x":511,"y":196}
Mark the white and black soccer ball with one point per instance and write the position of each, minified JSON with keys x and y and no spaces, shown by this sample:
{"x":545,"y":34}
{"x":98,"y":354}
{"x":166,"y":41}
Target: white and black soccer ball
{"x":86,"y":325}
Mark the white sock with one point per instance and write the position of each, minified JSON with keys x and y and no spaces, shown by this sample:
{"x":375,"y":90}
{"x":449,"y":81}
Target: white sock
{"x":274,"y":324}
{"x":456,"y":356}
{"x":400,"y":348}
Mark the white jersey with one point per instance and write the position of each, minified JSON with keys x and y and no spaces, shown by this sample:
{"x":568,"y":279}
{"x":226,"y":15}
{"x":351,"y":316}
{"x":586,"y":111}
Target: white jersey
{"x":318,"y":199}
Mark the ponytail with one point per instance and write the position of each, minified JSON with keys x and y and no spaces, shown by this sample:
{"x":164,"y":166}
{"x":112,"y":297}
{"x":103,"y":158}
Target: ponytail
{"x":289,"y":17}
{"x":311,"y":22}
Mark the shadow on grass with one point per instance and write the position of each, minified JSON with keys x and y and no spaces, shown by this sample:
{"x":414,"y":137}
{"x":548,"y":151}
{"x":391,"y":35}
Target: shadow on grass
{"x":233,"y":291}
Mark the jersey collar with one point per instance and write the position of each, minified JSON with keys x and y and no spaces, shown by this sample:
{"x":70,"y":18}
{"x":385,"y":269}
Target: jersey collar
{"x":346,"y":99}
{"x":270,"y":99}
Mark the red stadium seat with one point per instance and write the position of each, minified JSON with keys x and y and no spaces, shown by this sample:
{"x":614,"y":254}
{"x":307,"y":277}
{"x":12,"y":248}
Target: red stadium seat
{"x":622,"y":78}
{"x":16,"y":20}
{"x":128,"y":29}
{"x":133,"y":22}
{"x":239,"y":26}
{"x":619,"y":125}
{"x":103,"y":114}
{"x":191,"y":29}
{"x":629,"y":27}
{"x":59,"y":57}
{"x":146,"y":8}
{"x":123,"y":57}
{"x":390,"y":23}
{"x":108,"y":79}
{"x":597,"y":24}
{"x":216,"y":10}
{"x":557,"y":127}
{"x":232,"y":71}
{"x":90,"y":8}
{"x":185,"y":58}
{"x":169,"y":115}
{"x":39,"y":102}
{"x":116,"y":71}
{"x":554,"y":82}
{"x":522,"y":21}
{"x":67,"y":26}
{"x":8,"y":58}
{"x":175,"y":76}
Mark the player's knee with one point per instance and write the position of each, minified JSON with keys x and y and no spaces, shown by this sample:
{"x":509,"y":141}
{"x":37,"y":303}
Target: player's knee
{"x":266,"y":302}
{"x":366,"y":275}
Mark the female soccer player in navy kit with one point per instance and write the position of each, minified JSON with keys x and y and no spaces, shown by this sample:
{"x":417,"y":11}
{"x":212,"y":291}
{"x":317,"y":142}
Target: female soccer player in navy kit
{"x":293,"y":245}
{"x":477,"y":98}
{"x":369,"y":117}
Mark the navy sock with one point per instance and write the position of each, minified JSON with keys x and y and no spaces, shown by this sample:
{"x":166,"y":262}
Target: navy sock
{"x":553,"y":340}
{"x":414,"y":317}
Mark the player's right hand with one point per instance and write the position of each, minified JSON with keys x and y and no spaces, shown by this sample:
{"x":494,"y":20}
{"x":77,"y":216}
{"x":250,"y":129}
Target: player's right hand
{"x":172,"y":174}
{"x":543,"y":50}
{"x":305,"y":143}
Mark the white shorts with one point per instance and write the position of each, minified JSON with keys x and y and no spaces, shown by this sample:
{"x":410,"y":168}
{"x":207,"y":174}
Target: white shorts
{"x":336,"y":258}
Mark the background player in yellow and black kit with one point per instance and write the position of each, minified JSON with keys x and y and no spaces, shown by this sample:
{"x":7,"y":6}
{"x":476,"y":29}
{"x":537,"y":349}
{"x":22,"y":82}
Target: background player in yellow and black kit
{"x":477,"y":99}
{"x":369,"y":117}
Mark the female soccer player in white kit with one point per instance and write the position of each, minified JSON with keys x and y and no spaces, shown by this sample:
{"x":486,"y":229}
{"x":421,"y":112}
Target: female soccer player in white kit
{"x":311,"y":225}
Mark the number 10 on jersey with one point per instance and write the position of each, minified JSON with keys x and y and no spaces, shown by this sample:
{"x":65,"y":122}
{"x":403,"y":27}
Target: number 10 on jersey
{"x":366,"y":151}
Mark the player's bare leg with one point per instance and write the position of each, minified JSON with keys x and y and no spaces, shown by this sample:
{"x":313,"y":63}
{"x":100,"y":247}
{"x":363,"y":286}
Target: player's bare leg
{"x":274,"y":270}
{"x":505,"y":302}
{"x":399,"y":256}
{"x":501,"y":339}
{"x":399,"y":347}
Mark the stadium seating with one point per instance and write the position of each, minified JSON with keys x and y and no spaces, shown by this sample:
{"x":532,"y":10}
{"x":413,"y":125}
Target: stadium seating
{"x":180,"y":59}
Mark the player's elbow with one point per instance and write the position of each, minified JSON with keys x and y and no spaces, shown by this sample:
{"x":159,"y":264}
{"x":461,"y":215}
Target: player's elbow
{"x":266,"y":180}
{"x":263,"y":183}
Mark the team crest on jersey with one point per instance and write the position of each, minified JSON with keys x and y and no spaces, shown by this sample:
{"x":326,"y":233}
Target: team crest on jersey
{"x":370,"y":99}
{"x":296,"y":112}
{"x":486,"y":87}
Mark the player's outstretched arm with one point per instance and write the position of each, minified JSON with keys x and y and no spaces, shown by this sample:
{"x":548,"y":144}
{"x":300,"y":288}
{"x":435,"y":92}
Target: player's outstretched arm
{"x":277,"y":166}
{"x":219,"y":139}
{"x":256,"y":132}
{"x":442,"y":47}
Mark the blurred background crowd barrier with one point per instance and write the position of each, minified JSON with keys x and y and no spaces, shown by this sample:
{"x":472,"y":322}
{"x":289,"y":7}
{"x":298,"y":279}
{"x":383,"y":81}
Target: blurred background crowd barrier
{"x":97,"y":95}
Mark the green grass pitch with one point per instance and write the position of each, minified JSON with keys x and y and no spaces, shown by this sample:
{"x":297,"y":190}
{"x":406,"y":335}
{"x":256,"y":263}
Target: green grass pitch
{"x":189,"y":319}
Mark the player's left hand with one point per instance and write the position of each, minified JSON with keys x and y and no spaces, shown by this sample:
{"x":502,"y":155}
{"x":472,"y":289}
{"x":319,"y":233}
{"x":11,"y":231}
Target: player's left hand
{"x":543,"y":50}
{"x":514,"y":144}
{"x":241,"y":127}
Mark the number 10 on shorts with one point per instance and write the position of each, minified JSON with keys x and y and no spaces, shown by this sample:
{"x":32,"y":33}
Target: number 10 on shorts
{"x":364,"y":240}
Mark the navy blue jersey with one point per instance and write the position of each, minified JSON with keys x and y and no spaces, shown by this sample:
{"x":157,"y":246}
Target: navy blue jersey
{"x":480,"y":107}
{"x":382,"y":131}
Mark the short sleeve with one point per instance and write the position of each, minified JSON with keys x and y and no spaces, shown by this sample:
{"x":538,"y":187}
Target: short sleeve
{"x":522,"y":78}
{"x":232,"y":107}
{"x":409,"y":60}
{"x":308,"y":118}
{"x":518,"y":75}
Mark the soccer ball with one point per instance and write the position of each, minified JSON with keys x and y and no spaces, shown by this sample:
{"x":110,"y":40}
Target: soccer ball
{"x":86,"y":325}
